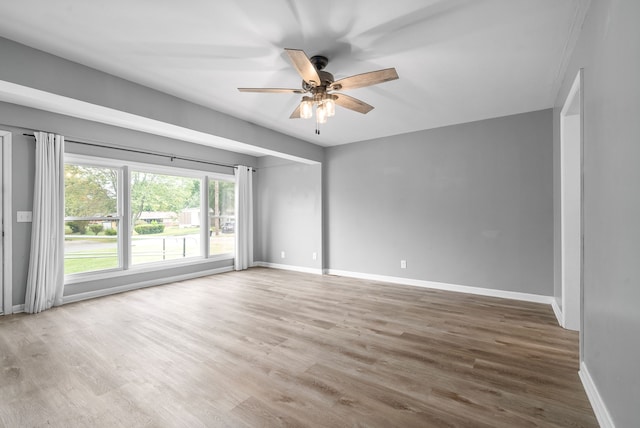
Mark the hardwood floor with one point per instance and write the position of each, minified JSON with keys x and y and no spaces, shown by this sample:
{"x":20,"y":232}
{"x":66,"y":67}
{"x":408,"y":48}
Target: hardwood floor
{"x":274,"y":348}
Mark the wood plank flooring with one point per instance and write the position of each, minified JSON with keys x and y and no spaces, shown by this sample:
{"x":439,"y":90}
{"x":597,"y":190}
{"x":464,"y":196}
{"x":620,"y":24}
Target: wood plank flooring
{"x":265,"y":348}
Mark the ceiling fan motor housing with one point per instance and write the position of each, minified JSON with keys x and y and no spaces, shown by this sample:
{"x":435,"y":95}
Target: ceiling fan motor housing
{"x":326,"y":79}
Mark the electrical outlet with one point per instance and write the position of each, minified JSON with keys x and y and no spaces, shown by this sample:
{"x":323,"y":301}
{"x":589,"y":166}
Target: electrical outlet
{"x":282,"y":254}
{"x":314,"y":255}
{"x":24,"y":216}
{"x":403,"y":264}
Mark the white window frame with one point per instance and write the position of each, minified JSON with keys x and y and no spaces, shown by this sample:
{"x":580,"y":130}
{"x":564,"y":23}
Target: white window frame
{"x":87,"y":161}
{"x":125,"y":169}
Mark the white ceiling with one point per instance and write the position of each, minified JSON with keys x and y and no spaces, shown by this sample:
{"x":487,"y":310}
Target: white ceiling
{"x":458,"y":60}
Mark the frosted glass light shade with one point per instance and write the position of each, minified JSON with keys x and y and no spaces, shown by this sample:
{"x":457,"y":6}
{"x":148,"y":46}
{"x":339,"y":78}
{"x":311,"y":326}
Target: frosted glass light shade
{"x":306,"y":109}
{"x":330,"y":105}
{"x":321,"y":114}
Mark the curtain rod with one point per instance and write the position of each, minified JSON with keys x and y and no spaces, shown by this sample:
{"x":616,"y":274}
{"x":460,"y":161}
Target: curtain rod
{"x":172,"y":157}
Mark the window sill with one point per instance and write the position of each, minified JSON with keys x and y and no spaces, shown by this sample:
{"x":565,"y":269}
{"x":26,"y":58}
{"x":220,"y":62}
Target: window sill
{"x":149,"y":267}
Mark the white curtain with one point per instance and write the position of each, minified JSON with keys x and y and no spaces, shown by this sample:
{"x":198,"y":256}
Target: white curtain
{"x":45,"y":281}
{"x":244,"y":217}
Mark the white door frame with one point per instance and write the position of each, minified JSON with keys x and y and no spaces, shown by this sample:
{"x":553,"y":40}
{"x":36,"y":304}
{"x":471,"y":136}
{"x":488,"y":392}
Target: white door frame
{"x":6,"y":286}
{"x":571,"y":205}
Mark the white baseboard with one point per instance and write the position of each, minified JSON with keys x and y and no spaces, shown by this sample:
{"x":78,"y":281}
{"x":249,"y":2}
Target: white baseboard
{"x":536,"y":298}
{"x":17,"y":309}
{"x":558,"y":312}
{"x":315,"y":271}
{"x":135,"y":286}
{"x":599,"y":408}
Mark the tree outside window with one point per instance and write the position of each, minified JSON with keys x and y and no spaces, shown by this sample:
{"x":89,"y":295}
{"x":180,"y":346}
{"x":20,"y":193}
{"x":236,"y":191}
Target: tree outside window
{"x":91,"y":219}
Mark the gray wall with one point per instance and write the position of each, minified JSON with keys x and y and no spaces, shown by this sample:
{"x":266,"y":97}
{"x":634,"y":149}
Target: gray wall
{"x":609,"y":52}
{"x":468,"y":204}
{"x":22,"y":177}
{"x":19,"y":120}
{"x":289,"y":207}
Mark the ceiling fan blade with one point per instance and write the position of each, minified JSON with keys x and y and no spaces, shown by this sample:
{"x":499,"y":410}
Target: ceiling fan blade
{"x":273,"y":90}
{"x":296,"y":113}
{"x":365,"y":79}
{"x":353,"y":103}
{"x":303,"y":66}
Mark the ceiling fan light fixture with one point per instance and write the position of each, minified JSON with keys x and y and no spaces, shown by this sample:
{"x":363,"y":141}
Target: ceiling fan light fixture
{"x":306,"y":108}
{"x":330,"y":105}
{"x":321,"y":113}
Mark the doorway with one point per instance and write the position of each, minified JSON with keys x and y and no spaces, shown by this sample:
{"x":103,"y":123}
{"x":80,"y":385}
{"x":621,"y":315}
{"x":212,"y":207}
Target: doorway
{"x":6,"y":283}
{"x":571,"y":119}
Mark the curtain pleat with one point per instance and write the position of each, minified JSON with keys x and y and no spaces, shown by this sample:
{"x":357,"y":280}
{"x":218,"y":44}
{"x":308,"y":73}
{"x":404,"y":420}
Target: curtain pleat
{"x":244,"y":217}
{"x":45,"y":280}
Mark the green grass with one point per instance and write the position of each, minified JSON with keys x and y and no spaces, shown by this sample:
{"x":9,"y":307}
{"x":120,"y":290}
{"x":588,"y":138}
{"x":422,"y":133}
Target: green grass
{"x":219,"y":246}
{"x":90,"y":264}
{"x":90,"y":238}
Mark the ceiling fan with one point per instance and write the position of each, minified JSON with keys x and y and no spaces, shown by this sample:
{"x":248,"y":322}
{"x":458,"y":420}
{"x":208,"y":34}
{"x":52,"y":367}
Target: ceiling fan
{"x":320,"y":87}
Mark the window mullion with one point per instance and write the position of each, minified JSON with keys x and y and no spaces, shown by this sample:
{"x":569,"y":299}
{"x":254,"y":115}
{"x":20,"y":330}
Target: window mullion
{"x":125,"y":206}
{"x":205,"y":222}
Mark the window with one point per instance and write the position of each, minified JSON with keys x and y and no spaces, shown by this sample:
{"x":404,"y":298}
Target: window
{"x":164,"y":220}
{"x":222,"y":219}
{"x":92,"y":219}
{"x":166,"y":214}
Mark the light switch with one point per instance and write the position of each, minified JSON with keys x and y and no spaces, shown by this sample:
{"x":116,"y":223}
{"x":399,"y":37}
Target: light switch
{"x":23,"y":216}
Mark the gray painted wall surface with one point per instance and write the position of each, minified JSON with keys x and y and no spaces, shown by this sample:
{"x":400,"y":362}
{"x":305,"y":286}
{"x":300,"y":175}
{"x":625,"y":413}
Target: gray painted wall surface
{"x":289,"y":204}
{"x":22,"y":177}
{"x":36,"y":69}
{"x":19,"y":120}
{"x":469,"y":204}
{"x":609,"y":52}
